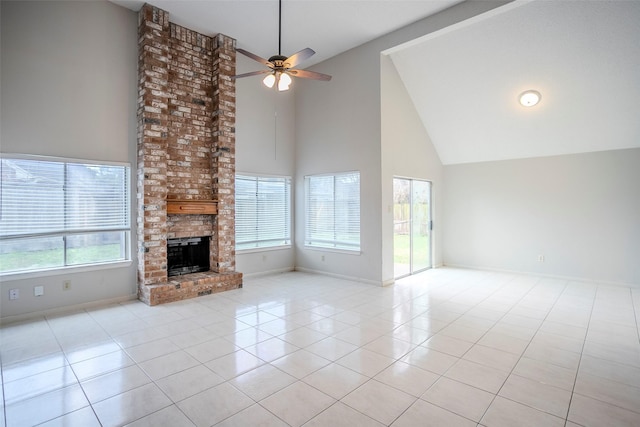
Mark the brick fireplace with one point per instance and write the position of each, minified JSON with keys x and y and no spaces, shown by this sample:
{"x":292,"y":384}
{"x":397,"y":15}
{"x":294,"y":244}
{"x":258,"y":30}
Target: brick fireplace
{"x":186,"y":155}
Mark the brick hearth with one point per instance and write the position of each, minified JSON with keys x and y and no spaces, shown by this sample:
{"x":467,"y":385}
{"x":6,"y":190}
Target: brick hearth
{"x":186,"y":151}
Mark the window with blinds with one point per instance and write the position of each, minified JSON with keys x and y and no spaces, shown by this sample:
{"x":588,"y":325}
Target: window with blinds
{"x":263,"y":212}
{"x":333,"y":211}
{"x":60,"y":213}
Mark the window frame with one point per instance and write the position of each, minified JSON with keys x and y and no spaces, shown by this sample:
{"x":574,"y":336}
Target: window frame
{"x":333,"y":245}
{"x":65,"y":233}
{"x":289,"y":207}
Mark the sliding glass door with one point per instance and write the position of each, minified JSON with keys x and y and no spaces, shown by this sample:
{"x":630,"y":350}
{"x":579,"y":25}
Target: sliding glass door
{"x":411,"y":226}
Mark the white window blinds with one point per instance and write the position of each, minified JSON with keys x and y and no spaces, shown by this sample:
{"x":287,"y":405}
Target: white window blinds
{"x":263,"y":212}
{"x":58,"y":213}
{"x":333,"y":211}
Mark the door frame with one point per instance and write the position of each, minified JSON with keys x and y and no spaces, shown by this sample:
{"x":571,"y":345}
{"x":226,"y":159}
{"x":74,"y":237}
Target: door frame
{"x":430,"y":225}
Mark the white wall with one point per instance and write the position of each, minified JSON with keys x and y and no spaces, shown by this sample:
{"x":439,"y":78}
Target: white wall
{"x":407,"y":151}
{"x":338,"y":128}
{"x":265,"y":145}
{"x":69,"y":79}
{"x":68,"y":82}
{"x":581,"y":212}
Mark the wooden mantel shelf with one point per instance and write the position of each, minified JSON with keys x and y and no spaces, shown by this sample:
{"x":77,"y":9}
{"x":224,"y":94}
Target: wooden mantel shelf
{"x":192,"y":207}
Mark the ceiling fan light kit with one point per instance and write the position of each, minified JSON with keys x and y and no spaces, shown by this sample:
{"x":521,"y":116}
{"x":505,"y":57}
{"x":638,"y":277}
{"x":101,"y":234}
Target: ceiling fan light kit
{"x":270,"y":80}
{"x":283,"y":82}
{"x":280,"y":68}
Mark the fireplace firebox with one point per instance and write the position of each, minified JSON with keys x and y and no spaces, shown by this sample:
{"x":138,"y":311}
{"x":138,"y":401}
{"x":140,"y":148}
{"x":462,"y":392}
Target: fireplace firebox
{"x":187,"y":255}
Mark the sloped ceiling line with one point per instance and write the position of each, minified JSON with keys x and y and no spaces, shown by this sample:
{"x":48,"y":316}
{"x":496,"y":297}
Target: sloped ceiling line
{"x":582,"y":56}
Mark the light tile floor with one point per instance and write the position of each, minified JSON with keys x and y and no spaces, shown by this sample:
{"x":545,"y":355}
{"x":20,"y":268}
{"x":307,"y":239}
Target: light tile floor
{"x":448,"y":347}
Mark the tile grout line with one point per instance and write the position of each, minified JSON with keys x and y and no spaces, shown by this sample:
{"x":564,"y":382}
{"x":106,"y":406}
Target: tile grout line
{"x":229,"y":380}
{"x":584,"y":343}
{"x":278,"y":295}
{"x":64,"y":353}
{"x":460,"y":358}
{"x":607,"y":360}
{"x":524,"y":351}
{"x":395,"y":360}
{"x":635,"y":313}
{"x":475,"y":343}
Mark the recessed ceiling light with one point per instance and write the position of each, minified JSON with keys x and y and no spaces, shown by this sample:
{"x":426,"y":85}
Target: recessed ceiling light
{"x":530,"y":98}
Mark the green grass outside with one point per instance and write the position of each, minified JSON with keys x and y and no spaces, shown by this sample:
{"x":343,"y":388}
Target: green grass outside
{"x":402,"y":250}
{"x":18,"y":261}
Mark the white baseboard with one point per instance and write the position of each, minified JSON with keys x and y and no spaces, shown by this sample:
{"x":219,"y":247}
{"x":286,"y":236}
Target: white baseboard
{"x":341,"y":276}
{"x":549,"y":276}
{"x":66,"y":309}
{"x":388,"y":282}
{"x":267,"y":272}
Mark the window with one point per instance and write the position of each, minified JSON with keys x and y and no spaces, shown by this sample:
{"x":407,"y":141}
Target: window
{"x":263,"y":212}
{"x":333,"y":211}
{"x":60,"y":213}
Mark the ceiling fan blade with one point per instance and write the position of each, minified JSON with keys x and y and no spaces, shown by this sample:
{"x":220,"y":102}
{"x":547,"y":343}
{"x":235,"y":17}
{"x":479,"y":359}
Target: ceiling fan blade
{"x":255,"y":57}
{"x":253,"y":73}
{"x":298,"y":57}
{"x":305,"y":74}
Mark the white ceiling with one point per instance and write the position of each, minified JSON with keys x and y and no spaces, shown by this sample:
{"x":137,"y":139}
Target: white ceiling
{"x":329,"y":27}
{"x":583,"y":56}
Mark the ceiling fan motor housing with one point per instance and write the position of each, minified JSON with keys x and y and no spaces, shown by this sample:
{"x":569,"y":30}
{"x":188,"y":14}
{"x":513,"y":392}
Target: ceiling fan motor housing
{"x":278,"y":61}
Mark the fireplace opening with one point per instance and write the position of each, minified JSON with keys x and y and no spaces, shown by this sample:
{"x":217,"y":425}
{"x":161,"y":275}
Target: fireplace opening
{"x":187,"y":255}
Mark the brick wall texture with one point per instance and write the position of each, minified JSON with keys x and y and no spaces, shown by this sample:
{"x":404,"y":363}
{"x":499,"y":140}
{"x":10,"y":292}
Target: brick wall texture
{"x":186,"y":150}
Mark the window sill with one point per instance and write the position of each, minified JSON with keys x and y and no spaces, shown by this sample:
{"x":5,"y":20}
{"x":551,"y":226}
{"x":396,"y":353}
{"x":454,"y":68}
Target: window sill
{"x":336,"y":250}
{"x":266,"y":249}
{"x":64,"y":270}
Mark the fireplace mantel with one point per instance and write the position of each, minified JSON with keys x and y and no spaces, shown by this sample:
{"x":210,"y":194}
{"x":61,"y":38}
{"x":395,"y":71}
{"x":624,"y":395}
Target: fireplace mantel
{"x":192,"y":207}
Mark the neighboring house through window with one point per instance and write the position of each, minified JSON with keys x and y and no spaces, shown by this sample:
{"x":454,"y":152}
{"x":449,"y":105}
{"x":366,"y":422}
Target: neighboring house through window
{"x":57,"y":213}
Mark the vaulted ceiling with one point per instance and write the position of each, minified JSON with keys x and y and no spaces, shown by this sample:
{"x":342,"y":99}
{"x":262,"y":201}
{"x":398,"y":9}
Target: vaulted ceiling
{"x":582,"y":56}
{"x":329,"y":27}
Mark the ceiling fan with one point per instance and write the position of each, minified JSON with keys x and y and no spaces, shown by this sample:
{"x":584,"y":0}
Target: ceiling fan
{"x":280,"y":69}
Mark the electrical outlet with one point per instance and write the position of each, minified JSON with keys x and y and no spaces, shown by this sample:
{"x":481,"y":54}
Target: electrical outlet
{"x":540,"y":258}
{"x":38,"y":291}
{"x":66,"y":285}
{"x":264,"y":258}
{"x":322,"y":258}
{"x":14,"y":294}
